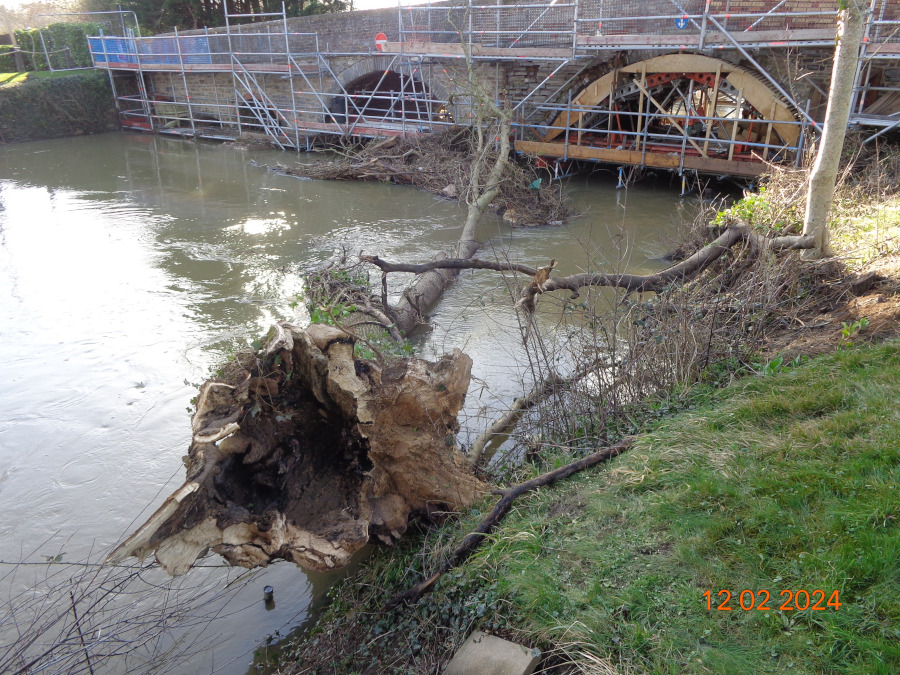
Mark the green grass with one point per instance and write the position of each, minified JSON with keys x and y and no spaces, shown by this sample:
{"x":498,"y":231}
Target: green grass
{"x":18,"y":78}
{"x":787,"y":481}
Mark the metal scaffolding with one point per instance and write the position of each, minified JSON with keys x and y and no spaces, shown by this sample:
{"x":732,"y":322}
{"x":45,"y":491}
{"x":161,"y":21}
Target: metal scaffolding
{"x":681,"y":109}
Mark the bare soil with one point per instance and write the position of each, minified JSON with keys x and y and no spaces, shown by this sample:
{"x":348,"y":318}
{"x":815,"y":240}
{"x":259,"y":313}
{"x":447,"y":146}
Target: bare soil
{"x":819,"y":328}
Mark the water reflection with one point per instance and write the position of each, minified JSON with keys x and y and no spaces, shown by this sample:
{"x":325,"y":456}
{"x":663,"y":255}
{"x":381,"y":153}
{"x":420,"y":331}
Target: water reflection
{"x":131,"y":265}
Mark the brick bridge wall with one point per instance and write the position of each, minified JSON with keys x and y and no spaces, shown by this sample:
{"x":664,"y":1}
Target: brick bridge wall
{"x":803,"y":73}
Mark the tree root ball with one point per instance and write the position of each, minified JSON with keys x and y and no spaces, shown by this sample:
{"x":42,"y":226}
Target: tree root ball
{"x":301,"y":451}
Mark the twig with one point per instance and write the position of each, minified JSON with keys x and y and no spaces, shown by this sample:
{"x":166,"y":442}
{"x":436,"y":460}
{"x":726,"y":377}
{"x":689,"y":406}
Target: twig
{"x":473,"y":540}
{"x":87,"y":656}
{"x":522,"y":405}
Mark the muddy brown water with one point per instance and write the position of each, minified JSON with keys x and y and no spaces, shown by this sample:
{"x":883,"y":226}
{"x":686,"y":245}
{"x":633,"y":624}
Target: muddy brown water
{"x":131,"y":265}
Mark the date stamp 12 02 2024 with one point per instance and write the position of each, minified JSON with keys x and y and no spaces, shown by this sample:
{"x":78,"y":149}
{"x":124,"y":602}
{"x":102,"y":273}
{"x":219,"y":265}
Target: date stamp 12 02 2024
{"x":763,"y":601}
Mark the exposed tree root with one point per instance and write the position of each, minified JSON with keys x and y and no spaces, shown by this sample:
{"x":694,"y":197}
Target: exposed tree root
{"x":301,"y":451}
{"x":473,"y":540}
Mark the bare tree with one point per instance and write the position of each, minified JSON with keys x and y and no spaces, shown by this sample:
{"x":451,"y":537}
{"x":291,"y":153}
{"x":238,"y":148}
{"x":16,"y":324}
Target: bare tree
{"x":851,"y":23}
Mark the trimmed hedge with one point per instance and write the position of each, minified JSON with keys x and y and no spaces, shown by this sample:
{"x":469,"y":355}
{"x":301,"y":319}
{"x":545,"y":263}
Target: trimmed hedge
{"x":80,"y":103}
{"x":57,"y":36}
{"x":7,"y":60}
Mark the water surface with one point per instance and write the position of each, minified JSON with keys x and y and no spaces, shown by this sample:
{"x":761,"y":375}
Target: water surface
{"x":131,"y":265}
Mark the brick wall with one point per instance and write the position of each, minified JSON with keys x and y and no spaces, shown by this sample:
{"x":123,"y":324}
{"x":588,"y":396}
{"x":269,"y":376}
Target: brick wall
{"x":803,"y":73}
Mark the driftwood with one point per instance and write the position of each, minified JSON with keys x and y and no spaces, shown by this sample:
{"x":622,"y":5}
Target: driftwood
{"x":474,"y":539}
{"x":305,"y":453}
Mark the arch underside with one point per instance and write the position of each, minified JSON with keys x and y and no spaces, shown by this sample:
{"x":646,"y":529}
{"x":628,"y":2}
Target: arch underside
{"x":385,"y":93}
{"x":675,"y":111}
{"x":387,"y":96}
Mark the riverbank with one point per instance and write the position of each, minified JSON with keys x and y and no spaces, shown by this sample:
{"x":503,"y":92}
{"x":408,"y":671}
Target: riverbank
{"x":781,"y":484}
{"x":775,"y":474}
{"x":37,"y":106}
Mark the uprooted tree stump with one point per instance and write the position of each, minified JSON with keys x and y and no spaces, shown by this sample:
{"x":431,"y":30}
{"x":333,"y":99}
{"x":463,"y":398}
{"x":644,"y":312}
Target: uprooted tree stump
{"x":301,"y":451}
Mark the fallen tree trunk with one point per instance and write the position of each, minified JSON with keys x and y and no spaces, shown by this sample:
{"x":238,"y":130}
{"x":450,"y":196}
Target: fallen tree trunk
{"x":429,"y":287}
{"x":473,"y":540}
{"x":542,"y":282}
{"x":303,"y":452}
{"x":633,"y":283}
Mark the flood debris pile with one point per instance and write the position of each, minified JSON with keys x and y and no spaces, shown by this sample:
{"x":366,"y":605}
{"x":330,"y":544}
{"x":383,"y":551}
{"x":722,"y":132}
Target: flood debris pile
{"x":303,"y":452}
{"x":441,"y":163}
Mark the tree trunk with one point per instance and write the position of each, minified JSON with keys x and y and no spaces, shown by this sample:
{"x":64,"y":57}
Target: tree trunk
{"x":429,"y":287}
{"x":840,"y":96}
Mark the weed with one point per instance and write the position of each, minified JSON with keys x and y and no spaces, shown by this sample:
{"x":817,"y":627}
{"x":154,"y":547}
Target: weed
{"x":764,"y":212}
{"x":849,"y":329}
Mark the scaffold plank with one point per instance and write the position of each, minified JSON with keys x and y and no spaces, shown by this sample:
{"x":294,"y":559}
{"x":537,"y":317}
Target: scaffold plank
{"x":671,"y":161}
{"x":205,"y":67}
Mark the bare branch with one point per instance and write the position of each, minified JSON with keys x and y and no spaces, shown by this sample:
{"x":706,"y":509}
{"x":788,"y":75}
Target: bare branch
{"x":473,"y":540}
{"x":633,"y":283}
{"x":520,"y":406}
{"x":448,"y":263}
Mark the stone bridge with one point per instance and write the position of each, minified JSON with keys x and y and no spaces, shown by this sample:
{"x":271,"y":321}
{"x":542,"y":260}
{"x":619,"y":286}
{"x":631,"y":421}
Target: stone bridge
{"x":713,"y":86}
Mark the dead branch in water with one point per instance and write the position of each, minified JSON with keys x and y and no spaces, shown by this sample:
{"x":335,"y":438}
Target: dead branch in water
{"x":633,"y":283}
{"x":448,"y":263}
{"x":474,"y":539}
{"x":542,"y":282}
{"x":508,"y":421}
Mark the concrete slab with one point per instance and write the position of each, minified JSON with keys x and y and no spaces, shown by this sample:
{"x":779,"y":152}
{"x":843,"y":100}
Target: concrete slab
{"x":483,"y":654}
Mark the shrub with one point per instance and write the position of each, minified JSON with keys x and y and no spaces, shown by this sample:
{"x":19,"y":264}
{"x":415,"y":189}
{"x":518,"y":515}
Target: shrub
{"x":76,"y":104}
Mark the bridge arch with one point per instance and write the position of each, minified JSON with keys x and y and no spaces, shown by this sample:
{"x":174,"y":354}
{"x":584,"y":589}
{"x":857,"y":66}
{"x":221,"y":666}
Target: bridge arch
{"x":719,"y":108}
{"x":383,"y":87}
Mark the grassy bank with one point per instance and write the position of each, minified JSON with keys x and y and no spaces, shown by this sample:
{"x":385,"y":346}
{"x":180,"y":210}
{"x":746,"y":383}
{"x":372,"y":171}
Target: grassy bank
{"x":11,"y":79}
{"x":787,"y":481}
{"x":53,"y":105}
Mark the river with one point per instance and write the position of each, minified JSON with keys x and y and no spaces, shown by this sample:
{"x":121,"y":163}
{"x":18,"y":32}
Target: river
{"x":131,"y":265}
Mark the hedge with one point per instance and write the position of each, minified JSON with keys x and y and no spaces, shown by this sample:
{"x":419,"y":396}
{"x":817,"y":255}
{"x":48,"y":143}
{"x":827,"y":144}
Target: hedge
{"x":7,"y":60}
{"x":80,"y":103}
{"x":57,"y":36}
